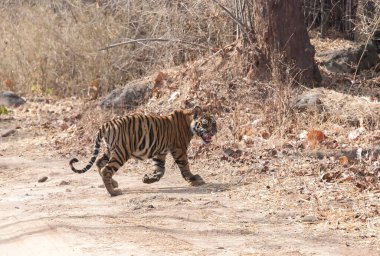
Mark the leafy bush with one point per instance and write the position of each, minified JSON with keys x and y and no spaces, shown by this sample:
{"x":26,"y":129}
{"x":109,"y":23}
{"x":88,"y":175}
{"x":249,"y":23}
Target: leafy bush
{"x":3,"y":110}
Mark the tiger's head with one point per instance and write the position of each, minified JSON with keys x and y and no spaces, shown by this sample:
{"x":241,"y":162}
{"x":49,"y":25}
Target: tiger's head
{"x":203,"y":125}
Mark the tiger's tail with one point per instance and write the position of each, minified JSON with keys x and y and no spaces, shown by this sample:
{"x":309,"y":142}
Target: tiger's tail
{"x":98,"y":142}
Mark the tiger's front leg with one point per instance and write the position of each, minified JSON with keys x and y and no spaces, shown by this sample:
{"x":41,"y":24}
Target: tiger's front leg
{"x":159,"y":169}
{"x":180,"y":157}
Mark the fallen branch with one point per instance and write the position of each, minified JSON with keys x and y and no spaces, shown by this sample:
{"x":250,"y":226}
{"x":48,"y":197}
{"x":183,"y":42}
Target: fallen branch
{"x":152,"y":40}
{"x":8,"y":133}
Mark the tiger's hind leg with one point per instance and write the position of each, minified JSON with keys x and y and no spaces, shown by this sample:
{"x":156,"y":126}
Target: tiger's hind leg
{"x":107,"y":172}
{"x":159,"y":169}
{"x":101,"y":162}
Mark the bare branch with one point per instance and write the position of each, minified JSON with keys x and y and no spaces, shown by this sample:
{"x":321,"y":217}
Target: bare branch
{"x":375,"y":25}
{"x":234,"y":18}
{"x":152,"y":40}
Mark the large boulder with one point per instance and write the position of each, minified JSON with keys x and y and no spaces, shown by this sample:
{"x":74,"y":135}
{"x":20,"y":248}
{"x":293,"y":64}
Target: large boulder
{"x":10,"y":99}
{"x":346,"y":60}
{"x":130,"y":96}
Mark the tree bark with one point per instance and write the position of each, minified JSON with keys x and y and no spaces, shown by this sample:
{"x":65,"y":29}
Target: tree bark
{"x":281,"y":36}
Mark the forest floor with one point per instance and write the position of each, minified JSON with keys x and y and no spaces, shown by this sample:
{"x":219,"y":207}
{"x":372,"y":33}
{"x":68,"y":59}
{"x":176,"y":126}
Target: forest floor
{"x":242,"y":210}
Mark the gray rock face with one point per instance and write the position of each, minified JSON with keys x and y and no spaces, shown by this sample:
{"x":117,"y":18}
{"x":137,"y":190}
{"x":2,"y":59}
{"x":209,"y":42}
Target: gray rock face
{"x":345,"y":61}
{"x":128,"y":97}
{"x":10,"y":99}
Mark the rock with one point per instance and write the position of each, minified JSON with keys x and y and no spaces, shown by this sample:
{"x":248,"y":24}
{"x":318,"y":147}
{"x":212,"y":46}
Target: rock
{"x":308,"y":101}
{"x":346,"y":60}
{"x":310,"y":219}
{"x":128,"y":97}
{"x":63,"y":183}
{"x":228,"y":151}
{"x":43,"y":179}
{"x":233,"y":153}
{"x":10,"y":99}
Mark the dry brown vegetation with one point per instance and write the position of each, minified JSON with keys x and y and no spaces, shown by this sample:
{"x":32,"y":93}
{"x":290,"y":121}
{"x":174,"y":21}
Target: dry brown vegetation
{"x":296,"y":170}
{"x":368,"y":19}
{"x":52,"y":47}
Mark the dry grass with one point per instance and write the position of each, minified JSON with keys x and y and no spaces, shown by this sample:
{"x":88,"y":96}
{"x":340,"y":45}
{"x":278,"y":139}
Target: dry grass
{"x":368,"y":20}
{"x":348,"y":109}
{"x":259,"y":143}
{"x":58,"y":53}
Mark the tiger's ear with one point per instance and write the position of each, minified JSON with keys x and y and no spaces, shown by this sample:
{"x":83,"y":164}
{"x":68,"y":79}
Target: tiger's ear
{"x":197,"y":111}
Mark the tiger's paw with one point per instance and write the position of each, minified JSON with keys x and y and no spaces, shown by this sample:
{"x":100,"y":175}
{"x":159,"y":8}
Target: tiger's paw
{"x":196,"y":180}
{"x":148,"y":179}
{"x":115,"y":184}
{"x":115,"y":192}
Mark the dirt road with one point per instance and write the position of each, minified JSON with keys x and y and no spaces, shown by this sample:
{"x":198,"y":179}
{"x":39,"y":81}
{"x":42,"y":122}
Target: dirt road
{"x":71,"y":214}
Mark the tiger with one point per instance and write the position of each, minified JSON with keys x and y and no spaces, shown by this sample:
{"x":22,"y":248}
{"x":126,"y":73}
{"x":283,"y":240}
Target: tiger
{"x":141,"y":137}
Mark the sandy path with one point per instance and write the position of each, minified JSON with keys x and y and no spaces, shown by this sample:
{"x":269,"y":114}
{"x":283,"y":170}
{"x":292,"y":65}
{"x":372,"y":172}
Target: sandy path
{"x":71,"y":214}
{"x":167,"y":218}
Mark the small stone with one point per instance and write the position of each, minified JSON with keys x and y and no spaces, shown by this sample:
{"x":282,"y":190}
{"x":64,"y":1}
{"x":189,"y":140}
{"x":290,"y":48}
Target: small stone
{"x":228,"y":152}
{"x":273,"y":152}
{"x":307,"y":101}
{"x":43,"y":179}
{"x":310,"y":219}
{"x":63,"y":183}
{"x":150,"y":206}
{"x":9,"y":99}
{"x":68,"y":190}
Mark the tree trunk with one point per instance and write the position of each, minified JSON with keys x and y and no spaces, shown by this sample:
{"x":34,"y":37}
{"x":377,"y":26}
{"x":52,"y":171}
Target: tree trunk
{"x":324,"y":18}
{"x":281,"y":36}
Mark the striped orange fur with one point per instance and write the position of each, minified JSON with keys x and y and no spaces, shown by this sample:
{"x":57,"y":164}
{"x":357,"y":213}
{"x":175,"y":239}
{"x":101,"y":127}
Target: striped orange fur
{"x":148,"y":136}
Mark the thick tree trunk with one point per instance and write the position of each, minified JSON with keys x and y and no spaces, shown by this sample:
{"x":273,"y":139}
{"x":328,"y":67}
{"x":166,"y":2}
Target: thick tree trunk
{"x":281,"y":36}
